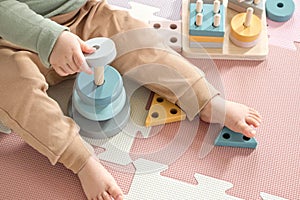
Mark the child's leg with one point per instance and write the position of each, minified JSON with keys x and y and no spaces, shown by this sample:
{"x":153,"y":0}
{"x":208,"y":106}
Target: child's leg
{"x":144,"y":58}
{"x":26,"y":108}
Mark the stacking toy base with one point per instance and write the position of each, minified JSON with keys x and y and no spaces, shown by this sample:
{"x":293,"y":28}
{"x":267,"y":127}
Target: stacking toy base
{"x":100,"y":129}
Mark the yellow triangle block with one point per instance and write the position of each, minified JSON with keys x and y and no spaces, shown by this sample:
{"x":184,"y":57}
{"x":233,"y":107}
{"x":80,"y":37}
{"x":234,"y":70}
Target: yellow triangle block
{"x":162,"y":112}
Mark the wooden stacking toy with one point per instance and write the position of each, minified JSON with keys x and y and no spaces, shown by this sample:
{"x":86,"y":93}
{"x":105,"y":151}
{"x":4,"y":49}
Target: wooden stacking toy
{"x":99,"y":103}
{"x":206,"y":25}
{"x":245,"y":29}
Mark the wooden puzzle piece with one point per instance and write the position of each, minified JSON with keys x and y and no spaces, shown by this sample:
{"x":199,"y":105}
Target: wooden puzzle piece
{"x":230,"y":138}
{"x":162,"y":111}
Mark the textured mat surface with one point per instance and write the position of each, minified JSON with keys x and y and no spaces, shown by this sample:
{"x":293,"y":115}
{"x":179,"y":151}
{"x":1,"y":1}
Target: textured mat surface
{"x":271,"y":86}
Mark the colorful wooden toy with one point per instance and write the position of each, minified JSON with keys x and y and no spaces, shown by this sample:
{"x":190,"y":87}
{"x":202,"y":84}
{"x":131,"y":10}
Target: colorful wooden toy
{"x":230,"y":138}
{"x":162,"y":111}
{"x":245,"y":29}
{"x":206,"y":25}
{"x":193,"y":46}
{"x":96,"y":111}
{"x":98,"y":104}
{"x":280,"y":10}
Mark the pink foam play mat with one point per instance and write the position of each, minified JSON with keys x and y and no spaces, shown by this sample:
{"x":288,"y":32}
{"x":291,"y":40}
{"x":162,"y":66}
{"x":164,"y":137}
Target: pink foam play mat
{"x":164,"y":162}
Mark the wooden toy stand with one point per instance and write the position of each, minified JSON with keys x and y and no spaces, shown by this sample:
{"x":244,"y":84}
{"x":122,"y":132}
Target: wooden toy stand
{"x":229,"y":50}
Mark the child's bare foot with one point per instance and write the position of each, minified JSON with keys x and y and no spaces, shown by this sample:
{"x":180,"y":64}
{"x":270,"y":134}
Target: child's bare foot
{"x":235,"y":116}
{"x":97,"y":182}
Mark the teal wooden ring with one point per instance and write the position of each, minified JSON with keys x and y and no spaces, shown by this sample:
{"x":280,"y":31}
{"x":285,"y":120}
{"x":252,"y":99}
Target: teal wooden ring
{"x":102,"y":95}
{"x":92,"y":112}
{"x":280,"y":10}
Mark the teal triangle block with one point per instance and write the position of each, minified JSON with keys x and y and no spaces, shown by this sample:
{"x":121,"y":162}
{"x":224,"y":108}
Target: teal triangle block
{"x":230,"y":138}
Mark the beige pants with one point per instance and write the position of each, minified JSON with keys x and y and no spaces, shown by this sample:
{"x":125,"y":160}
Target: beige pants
{"x":27,"y":109}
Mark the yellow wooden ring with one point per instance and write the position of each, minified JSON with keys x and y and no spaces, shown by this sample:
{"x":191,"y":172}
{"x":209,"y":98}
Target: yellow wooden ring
{"x":206,"y":39}
{"x":243,"y":33}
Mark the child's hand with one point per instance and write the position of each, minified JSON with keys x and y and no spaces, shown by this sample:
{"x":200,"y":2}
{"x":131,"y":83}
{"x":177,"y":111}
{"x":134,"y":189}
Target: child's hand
{"x":67,"y":55}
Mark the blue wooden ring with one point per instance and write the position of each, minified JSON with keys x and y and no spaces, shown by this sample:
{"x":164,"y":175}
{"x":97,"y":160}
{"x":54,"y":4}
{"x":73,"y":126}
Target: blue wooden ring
{"x":93,"y":112}
{"x":280,"y":10}
{"x":103,"y":95}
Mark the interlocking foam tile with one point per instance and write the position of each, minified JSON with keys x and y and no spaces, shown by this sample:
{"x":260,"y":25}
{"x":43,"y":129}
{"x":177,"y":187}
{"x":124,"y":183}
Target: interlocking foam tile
{"x":289,"y":28}
{"x":123,"y":3}
{"x":166,"y":9}
{"x":149,"y":184}
{"x":26,"y":174}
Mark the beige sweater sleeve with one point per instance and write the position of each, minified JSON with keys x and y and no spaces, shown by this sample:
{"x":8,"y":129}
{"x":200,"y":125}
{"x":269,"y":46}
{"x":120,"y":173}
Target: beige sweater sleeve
{"x":22,"y":26}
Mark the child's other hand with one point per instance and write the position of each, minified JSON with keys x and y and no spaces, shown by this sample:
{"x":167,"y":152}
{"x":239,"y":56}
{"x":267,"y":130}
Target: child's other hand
{"x":67,"y":55}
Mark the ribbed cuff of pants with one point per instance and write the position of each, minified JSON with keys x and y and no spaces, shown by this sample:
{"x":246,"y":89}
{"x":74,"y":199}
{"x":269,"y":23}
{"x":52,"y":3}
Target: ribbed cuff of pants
{"x":76,"y":155}
{"x":196,"y":98}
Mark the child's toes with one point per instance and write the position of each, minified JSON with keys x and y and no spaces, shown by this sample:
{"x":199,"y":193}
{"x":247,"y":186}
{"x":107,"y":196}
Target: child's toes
{"x":106,"y":196}
{"x":115,"y":192}
{"x":246,"y":130}
{"x":255,"y":113}
{"x":253,"y":121}
{"x":99,"y":197}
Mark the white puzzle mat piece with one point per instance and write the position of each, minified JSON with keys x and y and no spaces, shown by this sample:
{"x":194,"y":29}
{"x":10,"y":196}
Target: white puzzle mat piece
{"x":149,"y":184}
{"x":160,"y":9}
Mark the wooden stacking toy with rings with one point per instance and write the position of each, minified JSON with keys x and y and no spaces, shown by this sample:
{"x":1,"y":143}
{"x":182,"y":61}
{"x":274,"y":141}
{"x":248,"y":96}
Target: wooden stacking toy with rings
{"x":99,"y":103}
